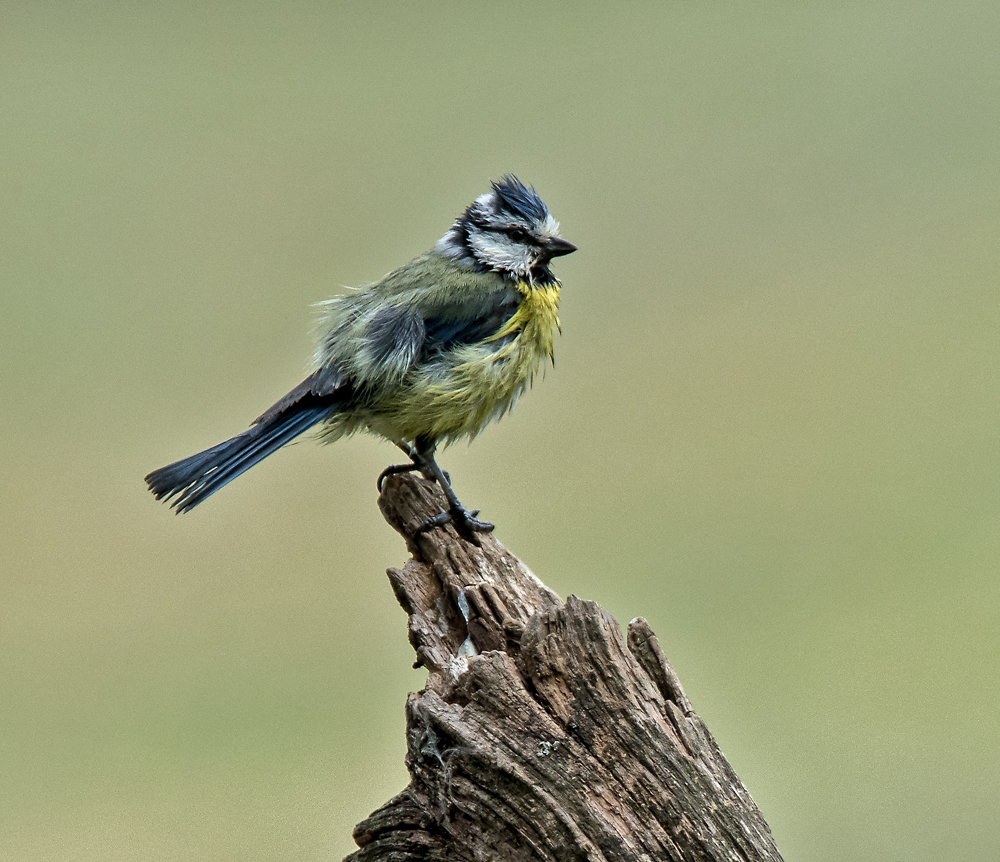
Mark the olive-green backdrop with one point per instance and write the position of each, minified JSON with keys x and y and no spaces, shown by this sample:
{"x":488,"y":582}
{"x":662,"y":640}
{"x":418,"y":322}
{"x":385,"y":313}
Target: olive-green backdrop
{"x":772,"y":428}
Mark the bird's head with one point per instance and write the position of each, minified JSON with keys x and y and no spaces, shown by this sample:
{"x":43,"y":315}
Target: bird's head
{"x":508,"y":230}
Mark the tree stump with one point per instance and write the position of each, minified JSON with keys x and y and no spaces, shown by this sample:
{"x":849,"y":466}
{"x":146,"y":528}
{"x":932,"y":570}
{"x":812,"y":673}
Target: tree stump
{"x":542,"y":733}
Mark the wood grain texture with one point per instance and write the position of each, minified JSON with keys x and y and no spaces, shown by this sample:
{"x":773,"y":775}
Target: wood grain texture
{"x":542,"y":733}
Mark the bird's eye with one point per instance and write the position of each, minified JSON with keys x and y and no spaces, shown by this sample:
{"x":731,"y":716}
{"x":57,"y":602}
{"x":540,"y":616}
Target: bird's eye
{"x":518,"y":235}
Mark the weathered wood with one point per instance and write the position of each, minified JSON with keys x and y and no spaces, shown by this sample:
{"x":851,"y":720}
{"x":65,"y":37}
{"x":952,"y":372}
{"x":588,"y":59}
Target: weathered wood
{"x":542,"y":733}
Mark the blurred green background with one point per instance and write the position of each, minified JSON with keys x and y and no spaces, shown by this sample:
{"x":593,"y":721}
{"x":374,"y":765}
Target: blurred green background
{"x":772,"y":429}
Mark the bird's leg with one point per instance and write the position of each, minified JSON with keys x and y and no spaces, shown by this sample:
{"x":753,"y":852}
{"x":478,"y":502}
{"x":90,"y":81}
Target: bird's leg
{"x":417,"y":463}
{"x":465,"y":521}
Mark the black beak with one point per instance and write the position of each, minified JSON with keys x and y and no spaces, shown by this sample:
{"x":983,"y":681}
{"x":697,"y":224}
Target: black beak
{"x":556,"y":247}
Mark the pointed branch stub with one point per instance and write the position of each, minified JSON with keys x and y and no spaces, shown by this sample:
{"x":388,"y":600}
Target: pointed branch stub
{"x":542,"y":733}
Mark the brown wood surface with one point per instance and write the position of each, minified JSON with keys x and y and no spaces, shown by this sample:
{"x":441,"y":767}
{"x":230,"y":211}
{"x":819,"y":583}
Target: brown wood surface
{"x":542,"y":732}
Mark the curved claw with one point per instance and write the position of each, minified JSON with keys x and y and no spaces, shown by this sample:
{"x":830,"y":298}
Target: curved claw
{"x":392,"y":470}
{"x":437,"y":521}
{"x":474,"y":525}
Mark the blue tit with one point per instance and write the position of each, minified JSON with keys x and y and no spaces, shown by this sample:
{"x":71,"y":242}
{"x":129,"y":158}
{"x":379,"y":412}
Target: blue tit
{"x":428,"y":355}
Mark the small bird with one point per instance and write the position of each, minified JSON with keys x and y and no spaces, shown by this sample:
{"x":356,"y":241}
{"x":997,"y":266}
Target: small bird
{"x":426,"y":356}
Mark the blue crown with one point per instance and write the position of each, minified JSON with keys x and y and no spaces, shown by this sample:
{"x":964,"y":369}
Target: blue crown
{"x":517,"y":199}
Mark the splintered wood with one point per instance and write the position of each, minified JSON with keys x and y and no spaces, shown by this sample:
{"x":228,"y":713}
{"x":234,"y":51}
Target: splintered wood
{"x":542,"y":733}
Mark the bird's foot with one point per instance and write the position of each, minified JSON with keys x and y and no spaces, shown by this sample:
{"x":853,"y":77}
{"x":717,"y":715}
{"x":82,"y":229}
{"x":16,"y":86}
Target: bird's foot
{"x":465,"y":522}
{"x":392,"y":470}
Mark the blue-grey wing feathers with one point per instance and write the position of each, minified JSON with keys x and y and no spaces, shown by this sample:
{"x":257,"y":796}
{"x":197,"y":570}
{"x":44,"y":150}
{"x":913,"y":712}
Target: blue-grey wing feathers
{"x":391,"y":341}
{"x":444,"y":332}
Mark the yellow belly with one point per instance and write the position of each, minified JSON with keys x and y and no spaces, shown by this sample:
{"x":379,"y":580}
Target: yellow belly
{"x":482,"y":381}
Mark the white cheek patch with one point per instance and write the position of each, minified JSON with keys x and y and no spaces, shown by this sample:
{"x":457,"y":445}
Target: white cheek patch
{"x":500,"y":252}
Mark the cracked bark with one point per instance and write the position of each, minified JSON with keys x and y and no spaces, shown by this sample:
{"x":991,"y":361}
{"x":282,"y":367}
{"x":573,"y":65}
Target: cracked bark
{"x":542,"y":733}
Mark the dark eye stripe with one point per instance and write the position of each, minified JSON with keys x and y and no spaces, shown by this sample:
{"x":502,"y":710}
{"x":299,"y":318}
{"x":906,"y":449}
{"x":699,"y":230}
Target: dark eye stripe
{"x":518,"y":234}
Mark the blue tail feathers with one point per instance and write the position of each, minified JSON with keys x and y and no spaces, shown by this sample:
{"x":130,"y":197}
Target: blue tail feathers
{"x":196,"y":478}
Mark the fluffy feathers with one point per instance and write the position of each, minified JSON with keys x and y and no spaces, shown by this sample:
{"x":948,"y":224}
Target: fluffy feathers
{"x":429,"y":354}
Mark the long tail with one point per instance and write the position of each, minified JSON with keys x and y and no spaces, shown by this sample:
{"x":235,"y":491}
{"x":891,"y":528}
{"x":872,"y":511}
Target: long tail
{"x":196,"y":478}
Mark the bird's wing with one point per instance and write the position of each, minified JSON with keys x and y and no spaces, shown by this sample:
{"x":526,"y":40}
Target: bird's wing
{"x":389,"y":342}
{"x":400,"y":334}
{"x":375,"y":336}
{"x":469,"y":325}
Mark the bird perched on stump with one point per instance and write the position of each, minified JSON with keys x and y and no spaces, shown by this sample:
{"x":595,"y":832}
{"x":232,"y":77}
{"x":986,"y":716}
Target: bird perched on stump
{"x":428,"y":355}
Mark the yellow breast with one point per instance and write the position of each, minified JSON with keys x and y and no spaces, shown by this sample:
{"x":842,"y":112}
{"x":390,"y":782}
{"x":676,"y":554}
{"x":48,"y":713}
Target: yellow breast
{"x":536,"y":318}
